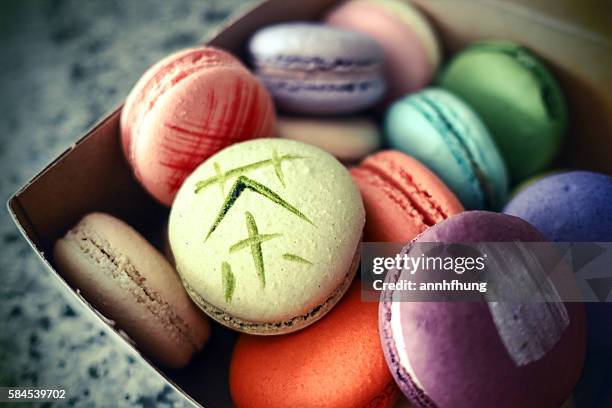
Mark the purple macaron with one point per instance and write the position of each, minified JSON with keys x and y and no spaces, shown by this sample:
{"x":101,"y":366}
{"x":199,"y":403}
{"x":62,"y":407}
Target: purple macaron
{"x":577,"y":207}
{"x":479,"y":354}
{"x":316,"y":69}
{"x":573,"y":207}
{"x":568,"y":207}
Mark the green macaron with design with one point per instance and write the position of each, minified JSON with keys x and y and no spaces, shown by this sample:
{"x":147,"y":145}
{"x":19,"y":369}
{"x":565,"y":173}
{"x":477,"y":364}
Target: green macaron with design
{"x":518,"y":99}
{"x":265,"y":235}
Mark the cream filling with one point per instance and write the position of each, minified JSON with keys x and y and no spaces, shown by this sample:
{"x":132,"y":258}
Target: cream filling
{"x":400,"y":343}
{"x":291,"y":73}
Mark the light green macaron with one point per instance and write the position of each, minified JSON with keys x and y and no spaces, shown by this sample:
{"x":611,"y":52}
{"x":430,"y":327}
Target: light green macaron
{"x":518,"y":99}
{"x":266,"y":233}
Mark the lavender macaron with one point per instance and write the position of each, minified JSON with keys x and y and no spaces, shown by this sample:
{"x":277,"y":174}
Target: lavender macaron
{"x":480,"y":354}
{"x":315,"y":69}
{"x":574,"y":206}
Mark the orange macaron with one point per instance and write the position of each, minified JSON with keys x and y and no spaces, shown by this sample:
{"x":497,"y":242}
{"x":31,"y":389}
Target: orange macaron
{"x":402,"y":197}
{"x":337,"y":362}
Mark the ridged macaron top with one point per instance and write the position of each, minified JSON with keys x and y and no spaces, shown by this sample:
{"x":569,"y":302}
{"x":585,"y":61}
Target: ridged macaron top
{"x":316,"y":69}
{"x":402,"y":197}
{"x":483,"y":354}
{"x":516,"y":96}
{"x":265,"y":234}
{"x":440,"y":130}
{"x":185,"y":108}
{"x":130,"y":282}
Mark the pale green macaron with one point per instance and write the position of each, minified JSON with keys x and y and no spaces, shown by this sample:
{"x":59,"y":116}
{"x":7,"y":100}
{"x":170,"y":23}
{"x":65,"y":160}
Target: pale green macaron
{"x":266,"y":233}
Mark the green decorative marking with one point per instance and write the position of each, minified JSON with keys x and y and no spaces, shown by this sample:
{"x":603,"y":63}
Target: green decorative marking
{"x":243,"y":183}
{"x":275,"y":161}
{"x":220,"y":176}
{"x":256,"y":248}
{"x":296,"y":258}
{"x":252,"y":240}
{"x":228,"y":281}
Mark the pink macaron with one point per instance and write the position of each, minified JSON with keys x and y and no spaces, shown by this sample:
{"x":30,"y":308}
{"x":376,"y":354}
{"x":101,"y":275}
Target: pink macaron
{"x":401,"y":196}
{"x":412,"y":51}
{"x":184,"y":109}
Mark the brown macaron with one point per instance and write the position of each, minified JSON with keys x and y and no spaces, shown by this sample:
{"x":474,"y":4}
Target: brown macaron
{"x":130,"y":282}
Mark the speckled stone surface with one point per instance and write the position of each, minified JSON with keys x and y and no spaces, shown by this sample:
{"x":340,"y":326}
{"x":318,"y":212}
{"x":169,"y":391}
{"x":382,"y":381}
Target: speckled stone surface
{"x":63,"y":65}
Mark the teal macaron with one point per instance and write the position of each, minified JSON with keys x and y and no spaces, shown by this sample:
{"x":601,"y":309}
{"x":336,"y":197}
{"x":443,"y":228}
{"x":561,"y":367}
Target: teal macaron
{"x":518,"y":99}
{"x":443,"y":132}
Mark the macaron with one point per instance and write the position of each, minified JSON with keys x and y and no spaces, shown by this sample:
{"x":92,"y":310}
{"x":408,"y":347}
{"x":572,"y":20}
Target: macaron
{"x":402,"y":197}
{"x":337,"y":362}
{"x":184,"y":109}
{"x":311,"y":68}
{"x":529,"y":181}
{"x":575,"y":206}
{"x":348,"y":139}
{"x":265,"y":235}
{"x":440,"y":130}
{"x":518,"y":99}
{"x":482,"y":354}
{"x":412,"y":50}
{"x":131,"y":283}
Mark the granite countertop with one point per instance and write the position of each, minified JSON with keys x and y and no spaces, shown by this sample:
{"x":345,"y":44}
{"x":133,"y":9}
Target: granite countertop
{"x":65,"y":64}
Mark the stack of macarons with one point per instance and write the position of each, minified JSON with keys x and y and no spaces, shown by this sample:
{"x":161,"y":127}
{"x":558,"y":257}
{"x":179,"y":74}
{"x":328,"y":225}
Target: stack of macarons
{"x":264,"y":232}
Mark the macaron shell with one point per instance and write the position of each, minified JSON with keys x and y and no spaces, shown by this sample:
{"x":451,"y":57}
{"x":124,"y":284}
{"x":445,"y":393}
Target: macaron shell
{"x":159,"y":78}
{"x":189,"y":111}
{"x":528,"y":182}
{"x":337,"y":362}
{"x":412,"y":51}
{"x":348,"y":139}
{"x":454,"y":349}
{"x":401,"y":196}
{"x":231,"y":107}
{"x":131,"y":283}
{"x":517,"y":98}
{"x":441,"y":131}
{"x":317,"y":69}
{"x":311,"y":236}
{"x":271,"y":45}
{"x":573,"y":206}
{"x":325,"y":97}
{"x":455,"y":372}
